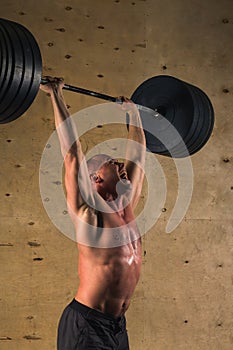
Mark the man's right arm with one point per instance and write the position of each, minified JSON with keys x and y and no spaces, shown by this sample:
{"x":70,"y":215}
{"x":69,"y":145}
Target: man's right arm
{"x":76,"y":173}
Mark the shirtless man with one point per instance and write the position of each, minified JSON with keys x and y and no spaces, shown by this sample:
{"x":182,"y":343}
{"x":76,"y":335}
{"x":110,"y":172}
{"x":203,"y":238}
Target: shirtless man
{"x":108,"y":276}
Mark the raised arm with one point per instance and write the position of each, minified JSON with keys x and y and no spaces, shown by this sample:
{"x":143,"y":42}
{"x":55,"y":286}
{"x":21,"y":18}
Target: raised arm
{"x":71,"y":150}
{"x":135,"y":151}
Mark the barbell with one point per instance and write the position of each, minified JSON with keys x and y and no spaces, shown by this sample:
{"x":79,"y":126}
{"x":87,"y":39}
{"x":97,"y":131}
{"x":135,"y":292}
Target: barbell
{"x":177,"y":117}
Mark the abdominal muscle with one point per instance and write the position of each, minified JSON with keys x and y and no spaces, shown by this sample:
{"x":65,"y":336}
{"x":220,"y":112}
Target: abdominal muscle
{"x":108,"y":276}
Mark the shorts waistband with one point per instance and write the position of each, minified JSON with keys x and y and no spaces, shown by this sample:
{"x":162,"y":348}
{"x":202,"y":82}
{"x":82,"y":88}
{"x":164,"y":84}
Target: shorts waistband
{"x":87,"y":311}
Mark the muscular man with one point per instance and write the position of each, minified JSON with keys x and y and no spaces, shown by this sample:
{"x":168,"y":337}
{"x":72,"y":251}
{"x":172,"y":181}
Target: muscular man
{"x":108,"y":276}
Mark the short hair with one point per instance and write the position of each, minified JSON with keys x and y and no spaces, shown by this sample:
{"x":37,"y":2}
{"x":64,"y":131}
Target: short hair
{"x":95,"y":162}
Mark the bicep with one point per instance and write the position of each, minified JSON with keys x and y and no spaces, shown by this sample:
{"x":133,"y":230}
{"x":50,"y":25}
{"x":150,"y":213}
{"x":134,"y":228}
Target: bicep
{"x":77,"y":183}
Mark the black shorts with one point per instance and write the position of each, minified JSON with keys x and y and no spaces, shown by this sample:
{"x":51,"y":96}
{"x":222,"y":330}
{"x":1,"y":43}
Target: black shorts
{"x":83,"y":328}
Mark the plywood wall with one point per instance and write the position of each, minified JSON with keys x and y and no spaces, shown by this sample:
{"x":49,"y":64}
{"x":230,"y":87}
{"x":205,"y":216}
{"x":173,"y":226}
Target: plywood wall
{"x":184,"y":297}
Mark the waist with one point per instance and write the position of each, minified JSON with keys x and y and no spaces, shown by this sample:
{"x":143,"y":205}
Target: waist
{"x":107,"y":289}
{"x":87,"y":311}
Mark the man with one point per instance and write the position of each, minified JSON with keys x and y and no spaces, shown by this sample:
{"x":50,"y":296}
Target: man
{"x":101,"y":197}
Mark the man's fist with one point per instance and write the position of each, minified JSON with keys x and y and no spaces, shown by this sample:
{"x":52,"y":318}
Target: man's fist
{"x":53,"y":84}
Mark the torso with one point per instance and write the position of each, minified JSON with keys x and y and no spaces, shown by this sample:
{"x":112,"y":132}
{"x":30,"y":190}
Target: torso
{"x":108,"y":276}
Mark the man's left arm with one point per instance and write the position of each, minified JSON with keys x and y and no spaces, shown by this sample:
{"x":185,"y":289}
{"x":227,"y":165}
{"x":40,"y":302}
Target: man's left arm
{"x":135,"y":151}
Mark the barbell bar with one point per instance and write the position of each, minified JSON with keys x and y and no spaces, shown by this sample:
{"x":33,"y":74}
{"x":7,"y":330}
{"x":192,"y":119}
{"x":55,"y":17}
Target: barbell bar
{"x":177,"y":117}
{"x":102,"y":96}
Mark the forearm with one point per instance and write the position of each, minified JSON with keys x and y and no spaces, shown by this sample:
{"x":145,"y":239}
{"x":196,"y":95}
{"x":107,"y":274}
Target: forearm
{"x":65,"y":126}
{"x":135,"y":133}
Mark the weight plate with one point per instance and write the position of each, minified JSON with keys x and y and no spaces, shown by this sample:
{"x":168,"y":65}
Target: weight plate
{"x":172,"y":99}
{"x":31,"y":68}
{"x":199,"y":132}
{"x":203,"y":121}
{"x":204,"y":117}
{"x":185,"y":106}
{"x":11,"y":96}
{"x":6,"y":69}
{"x":2,"y":54}
{"x":207,"y":122}
{"x":196,"y":126}
{"x":36,"y":72}
{"x":4,"y":66}
{"x":17,"y":108}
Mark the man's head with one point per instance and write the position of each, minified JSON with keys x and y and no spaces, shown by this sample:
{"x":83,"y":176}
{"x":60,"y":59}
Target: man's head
{"x":105,"y":173}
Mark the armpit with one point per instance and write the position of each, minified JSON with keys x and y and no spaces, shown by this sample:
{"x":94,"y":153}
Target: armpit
{"x":88,"y":215}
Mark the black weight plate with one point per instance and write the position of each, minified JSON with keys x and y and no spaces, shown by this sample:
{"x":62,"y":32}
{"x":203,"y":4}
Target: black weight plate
{"x":36,"y":72}
{"x":204,"y":114}
{"x":31,"y":73}
{"x":5,"y":67}
{"x":145,"y":95}
{"x":207,"y":118}
{"x":196,"y":126}
{"x":172,"y":99}
{"x":4,"y":58}
{"x":15,"y":66}
{"x":6,"y":71}
{"x":2,"y":49}
{"x":16,"y":74}
{"x":196,"y":119}
{"x":211,"y":120}
{"x":204,"y":122}
{"x":25,"y":54}
{"x":200,"y":131}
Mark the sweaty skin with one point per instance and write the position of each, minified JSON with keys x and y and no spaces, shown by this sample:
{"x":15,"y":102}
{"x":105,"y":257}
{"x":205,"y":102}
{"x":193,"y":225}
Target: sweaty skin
{"x":107,"y":276}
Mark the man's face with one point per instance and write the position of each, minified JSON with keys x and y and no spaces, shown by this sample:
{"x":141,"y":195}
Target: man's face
{"x":112,"y":171}
{"x":111,"y":179}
